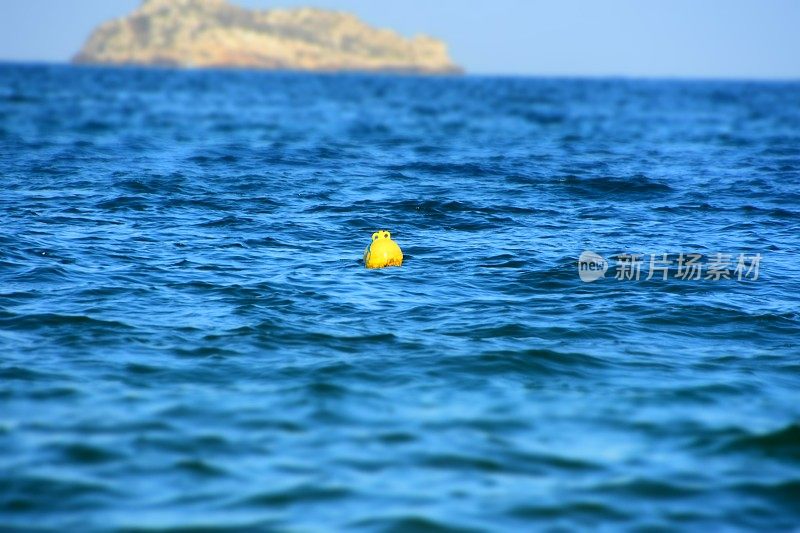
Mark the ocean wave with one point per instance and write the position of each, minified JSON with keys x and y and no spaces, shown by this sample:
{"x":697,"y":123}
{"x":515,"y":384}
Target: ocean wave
{"x":615,"y":188}
{"x":189,"y":339}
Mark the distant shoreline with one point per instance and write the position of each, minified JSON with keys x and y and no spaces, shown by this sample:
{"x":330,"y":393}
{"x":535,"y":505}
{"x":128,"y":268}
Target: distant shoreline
{"x":399,"y":73}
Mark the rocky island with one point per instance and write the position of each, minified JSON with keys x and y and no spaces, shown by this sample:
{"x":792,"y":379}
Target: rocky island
{"x":214,"y":33}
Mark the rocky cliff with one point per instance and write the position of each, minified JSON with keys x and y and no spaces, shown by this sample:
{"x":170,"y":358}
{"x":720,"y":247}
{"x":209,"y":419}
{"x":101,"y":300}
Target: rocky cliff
{"x":214,"y":33}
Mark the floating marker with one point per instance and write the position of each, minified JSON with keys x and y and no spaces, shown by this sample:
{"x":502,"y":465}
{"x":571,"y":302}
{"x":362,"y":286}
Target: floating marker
{"x":383,"y":252}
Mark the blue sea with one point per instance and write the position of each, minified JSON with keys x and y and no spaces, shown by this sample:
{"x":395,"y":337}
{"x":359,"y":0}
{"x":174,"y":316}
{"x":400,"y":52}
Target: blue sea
{"x":189,"y":340}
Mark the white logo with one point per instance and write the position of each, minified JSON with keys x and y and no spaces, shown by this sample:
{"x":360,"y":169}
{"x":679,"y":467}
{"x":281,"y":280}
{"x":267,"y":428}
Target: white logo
{"x":591,"y":267}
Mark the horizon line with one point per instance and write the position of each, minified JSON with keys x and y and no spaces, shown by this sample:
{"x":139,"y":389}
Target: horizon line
{"x":466,"y":73}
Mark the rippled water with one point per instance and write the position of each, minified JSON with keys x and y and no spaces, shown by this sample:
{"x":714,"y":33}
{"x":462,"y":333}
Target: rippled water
{"x":189,"y":338}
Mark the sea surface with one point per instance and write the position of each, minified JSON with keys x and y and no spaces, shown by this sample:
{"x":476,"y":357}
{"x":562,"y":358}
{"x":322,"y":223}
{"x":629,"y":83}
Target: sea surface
{"x":189,"y":339}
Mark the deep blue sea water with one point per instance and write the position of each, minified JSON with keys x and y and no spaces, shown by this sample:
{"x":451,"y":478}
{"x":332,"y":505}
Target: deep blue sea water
{"x":188,"y":338}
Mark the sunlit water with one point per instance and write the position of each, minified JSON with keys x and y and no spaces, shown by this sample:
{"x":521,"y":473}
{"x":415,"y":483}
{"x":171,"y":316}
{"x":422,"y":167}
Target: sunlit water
{"x":188,"y":336}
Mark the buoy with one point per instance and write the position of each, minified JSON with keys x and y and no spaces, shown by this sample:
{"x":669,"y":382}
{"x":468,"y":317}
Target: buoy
{"x":383,"y":252}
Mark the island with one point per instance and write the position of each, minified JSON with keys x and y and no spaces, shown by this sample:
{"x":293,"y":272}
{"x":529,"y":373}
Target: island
{"x":216,"y":34}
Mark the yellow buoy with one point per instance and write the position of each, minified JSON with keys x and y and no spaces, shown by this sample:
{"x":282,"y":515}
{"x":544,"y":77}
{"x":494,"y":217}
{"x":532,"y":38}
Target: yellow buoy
{"x":383,"y":252}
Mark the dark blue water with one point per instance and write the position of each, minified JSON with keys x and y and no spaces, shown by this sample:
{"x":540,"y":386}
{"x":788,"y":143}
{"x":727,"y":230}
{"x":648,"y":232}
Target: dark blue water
{"x":188,"y":337}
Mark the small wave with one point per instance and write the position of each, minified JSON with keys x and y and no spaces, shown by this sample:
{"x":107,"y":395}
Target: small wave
{"x":45,"y":494}
{"x":28,"y":322}
{"x":472,"y":170}
{"x":201,"y":468}
{"x":150,"y":186}
{"x":23,"y":374}
{"x":206,"y":352}
{"x":542,"y":118}
{"x":228,"y":221}
{"x":515,"y":463}
{"x":615,"y":187}
{"x":221,"y":525}
{"x":118,"y":203}
{"x":390,"y":524}
{"x":783,"y":495}
{"x":653,"y":489}
{"x":524,"y":363}
{"x":505,"y":331}
{"x":511,"y":263}
{"x":296,"y":495}
{"x":211,"y":160}
{"x":95,"y":126}
{"x":582,"y":511}
{"x":782,"y":443}
{"x":88,"y":454}
{"x":42,"y":274}
{"x":20,"y":98}
{"x":136,"y":186}
{"x":270,"y":242}
{"x":196,"y":203}
{"x":444,"y":207}
{"x":747,"y":209}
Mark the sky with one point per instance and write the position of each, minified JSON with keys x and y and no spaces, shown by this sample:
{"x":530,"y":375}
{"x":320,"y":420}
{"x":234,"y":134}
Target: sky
{"x":636,"y":38}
